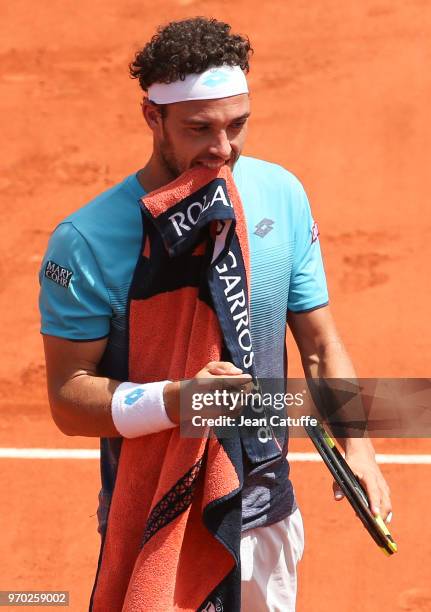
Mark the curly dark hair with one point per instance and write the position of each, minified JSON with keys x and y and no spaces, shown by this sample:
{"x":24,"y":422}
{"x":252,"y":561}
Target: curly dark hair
{"x":186,"y":47}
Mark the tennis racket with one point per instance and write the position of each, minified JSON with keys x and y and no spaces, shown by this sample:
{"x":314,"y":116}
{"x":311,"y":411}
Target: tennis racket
{"x":351,"y":487}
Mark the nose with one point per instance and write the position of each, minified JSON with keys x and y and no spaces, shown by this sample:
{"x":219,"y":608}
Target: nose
{"x":221,"y":146}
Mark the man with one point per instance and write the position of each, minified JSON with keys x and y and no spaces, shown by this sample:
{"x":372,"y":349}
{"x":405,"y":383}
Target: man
{"x":197,"y":107}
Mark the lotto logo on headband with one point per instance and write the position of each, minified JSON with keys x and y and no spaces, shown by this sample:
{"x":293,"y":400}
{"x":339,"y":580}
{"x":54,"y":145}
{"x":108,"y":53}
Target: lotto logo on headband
{"x":216,"y":82}
{"x":216,"y":77}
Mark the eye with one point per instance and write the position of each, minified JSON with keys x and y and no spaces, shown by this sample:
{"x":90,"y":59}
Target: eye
{"x":238,"y":124}
{"x":199,"y":129}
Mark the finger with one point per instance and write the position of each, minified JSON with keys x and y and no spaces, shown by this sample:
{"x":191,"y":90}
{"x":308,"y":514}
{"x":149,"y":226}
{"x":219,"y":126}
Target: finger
{"x":237,"y":380}
{"x":224,"y":369}
{"x":338,"y":493}
{"x":374,"y":493}
{"x":386,"y":504}
{"x":248,"y":386}
{"x":236,"y":383}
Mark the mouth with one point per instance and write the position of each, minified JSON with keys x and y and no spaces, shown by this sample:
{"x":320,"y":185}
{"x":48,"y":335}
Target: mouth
{"x":215,"y":165}
{"x":210,"y":165}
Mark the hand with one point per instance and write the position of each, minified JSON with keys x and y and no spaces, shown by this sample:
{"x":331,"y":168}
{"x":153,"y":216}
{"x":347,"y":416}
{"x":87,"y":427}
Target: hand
{"x":361,"y":459}
{"x":216,"y":375}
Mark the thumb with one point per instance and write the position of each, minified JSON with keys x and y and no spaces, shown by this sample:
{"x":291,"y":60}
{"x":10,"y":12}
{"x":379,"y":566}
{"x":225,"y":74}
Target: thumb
{"x":338,"y":493}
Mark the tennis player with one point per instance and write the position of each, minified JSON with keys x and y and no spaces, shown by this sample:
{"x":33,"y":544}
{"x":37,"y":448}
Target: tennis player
{"x":197,"y":106}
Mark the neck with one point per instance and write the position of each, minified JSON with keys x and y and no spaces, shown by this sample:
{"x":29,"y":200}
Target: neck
{"x":154,"y":174}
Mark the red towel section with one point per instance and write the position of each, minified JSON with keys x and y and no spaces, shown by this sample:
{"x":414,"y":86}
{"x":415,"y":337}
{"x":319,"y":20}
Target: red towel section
{"x":154,"y":352}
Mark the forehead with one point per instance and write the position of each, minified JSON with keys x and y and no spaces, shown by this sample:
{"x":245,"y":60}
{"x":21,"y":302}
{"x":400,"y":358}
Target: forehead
{"x":219,"y":110}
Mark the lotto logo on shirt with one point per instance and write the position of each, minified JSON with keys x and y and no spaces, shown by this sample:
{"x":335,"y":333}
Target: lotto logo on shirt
{"x":58,"y":274}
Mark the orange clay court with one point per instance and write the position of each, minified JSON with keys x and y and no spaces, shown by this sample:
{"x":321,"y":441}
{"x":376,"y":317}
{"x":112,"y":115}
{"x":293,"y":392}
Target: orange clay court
{"x":340,"y":96}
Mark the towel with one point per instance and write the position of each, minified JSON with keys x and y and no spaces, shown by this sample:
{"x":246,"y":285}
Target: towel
{"x":174,"y":525}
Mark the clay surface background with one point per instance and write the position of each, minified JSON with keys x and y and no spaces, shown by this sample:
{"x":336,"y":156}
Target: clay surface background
{"x":340,"y":94}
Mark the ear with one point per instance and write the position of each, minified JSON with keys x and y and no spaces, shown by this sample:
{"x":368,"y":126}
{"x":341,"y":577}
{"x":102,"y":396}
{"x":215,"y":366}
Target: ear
{"x":151,"y":114}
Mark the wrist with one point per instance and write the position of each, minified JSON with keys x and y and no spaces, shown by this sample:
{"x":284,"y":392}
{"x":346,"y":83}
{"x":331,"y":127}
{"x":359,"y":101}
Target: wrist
{"x":171,"y":394}
{"x":354,"y":446}
{"x":138,"y":409}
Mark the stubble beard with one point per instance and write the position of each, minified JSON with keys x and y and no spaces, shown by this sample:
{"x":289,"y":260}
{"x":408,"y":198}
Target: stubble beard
{"x":168,"y":157}
{"x":170,"y":161}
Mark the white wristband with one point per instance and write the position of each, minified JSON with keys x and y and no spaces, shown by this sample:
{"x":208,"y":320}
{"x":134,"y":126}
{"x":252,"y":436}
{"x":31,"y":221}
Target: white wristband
{"x":138,"y":410}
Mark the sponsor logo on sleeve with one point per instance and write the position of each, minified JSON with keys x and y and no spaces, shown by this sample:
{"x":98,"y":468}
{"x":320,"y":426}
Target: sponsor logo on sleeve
{"x":314,"y":232}
{"x":58,"y":274}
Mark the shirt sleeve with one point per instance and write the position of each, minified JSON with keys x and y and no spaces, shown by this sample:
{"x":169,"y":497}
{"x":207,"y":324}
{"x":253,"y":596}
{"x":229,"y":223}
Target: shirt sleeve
{"x":73,"y":301}
{"x":307,"y":289}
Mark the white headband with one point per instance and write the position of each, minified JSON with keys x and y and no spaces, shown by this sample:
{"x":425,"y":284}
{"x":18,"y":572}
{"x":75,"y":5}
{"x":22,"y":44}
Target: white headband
{"x":221,"y":82}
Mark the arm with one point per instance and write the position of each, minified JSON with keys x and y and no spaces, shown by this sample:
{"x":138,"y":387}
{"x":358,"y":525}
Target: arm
{"x":323,"y":355}
{"x":80,"y":400}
